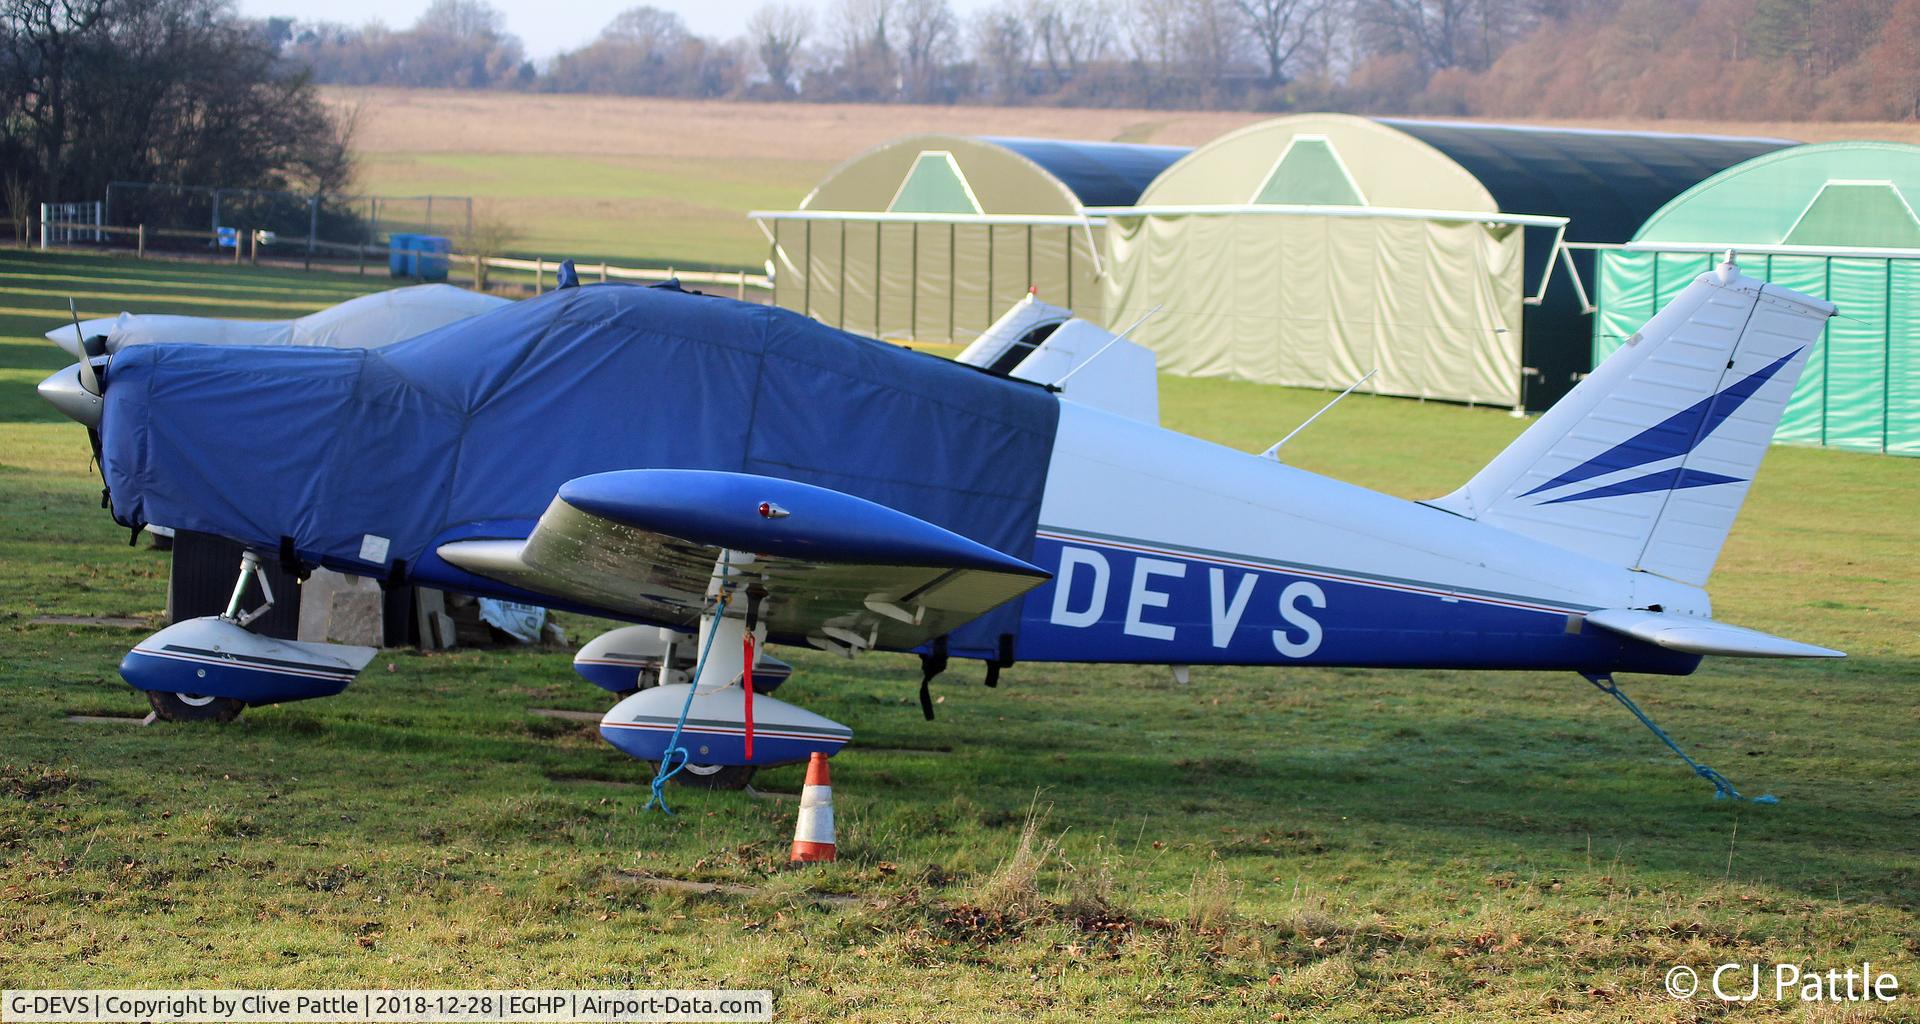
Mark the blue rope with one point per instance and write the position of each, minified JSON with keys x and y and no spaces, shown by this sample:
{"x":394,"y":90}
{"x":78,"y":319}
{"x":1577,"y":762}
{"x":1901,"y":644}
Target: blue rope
{"x":664,"y":773}
{"x":1722,"y":789}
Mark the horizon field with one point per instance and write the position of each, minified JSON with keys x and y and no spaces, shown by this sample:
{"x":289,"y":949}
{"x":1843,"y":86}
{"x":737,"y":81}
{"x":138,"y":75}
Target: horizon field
{"x":665,"y":182}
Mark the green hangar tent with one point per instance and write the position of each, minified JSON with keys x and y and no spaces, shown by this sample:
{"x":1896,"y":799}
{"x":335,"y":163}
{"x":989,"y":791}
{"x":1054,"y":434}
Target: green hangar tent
{"x":1310,"y":249}
{"x":932,"y":237}
{"x":1835,"y":220}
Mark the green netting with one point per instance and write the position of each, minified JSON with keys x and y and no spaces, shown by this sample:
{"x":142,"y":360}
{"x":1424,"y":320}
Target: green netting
{"x":1310,"y":174}
{"x":934,"y":185}
{"x":1903,"y":358}
{"x":1857,"y":355}
{"x":1856,"y":215}
{"x":1624,"y":285}
{"x":1861,"y":387}
{"x":1805,"y":419}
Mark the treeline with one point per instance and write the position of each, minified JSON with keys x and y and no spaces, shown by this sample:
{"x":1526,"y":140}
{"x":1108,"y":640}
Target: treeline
{"x":1750,"y":59}
{"x":170,"y":91}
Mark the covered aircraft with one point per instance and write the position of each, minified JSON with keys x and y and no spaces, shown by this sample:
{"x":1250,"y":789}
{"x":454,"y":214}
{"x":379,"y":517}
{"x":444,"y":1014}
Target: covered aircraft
{"x":734,"y":476}
{"x":367,"y":321}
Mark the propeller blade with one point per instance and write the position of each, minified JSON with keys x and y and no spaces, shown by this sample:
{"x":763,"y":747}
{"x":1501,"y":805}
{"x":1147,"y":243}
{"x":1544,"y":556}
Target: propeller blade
{"x":88,"y":379}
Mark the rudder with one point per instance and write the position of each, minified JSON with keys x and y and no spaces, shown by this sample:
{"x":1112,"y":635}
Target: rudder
{"x":1646,"y":462}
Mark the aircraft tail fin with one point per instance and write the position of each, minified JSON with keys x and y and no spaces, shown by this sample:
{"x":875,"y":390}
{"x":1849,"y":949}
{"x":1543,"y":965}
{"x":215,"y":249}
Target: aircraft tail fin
{"x":1645,"y":463}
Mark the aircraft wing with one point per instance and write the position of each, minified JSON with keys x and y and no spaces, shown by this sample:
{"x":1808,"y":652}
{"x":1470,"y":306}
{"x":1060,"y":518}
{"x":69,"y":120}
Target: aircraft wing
{"x":835,"y":570}
{"x":1703,"y":636}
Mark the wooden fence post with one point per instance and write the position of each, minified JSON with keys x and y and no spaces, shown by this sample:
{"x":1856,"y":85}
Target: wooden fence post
{"x":140,"y":247}
{"x":539,"y":275}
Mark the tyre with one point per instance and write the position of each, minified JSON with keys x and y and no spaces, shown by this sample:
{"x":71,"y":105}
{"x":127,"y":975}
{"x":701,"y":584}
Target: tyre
{"x":193,"y":707}
{"x":715,"y":776}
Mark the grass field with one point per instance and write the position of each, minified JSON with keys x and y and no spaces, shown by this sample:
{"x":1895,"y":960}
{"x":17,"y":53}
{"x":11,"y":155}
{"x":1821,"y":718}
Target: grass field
{"x":669,"y":182}
{"x":1311,"y":844}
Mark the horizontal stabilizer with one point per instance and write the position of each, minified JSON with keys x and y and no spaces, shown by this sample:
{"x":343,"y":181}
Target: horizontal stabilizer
{"x":1702,"y":636}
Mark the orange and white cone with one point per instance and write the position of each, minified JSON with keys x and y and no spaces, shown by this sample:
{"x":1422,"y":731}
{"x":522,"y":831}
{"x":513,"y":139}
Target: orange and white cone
{"x":813,"y":834}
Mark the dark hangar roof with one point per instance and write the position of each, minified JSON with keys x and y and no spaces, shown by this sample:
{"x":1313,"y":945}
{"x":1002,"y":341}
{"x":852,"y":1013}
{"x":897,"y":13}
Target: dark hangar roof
{"x":1607,"y":183}
{"x":1099,"y":173}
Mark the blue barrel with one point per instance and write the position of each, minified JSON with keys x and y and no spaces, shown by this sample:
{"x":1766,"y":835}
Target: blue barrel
{"x":400,"y":255}
{"x":430,"y":257}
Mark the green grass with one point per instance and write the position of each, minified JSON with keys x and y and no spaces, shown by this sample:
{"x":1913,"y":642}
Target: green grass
{"x":656,"y":212}
{"x":1307,"y":844}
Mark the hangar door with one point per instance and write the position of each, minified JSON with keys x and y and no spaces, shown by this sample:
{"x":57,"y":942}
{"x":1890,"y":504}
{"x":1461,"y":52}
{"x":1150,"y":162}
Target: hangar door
{"x":1315,"y":300}
{"x":929,"y":278}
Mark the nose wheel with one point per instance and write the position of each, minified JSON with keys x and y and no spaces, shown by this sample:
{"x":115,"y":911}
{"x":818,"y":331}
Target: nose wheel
{"x":193,"y":707}
{"x":715,"y":776}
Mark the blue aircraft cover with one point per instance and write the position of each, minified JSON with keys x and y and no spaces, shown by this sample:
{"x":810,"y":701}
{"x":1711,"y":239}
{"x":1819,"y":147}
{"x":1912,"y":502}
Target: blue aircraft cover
{"x":477,"y":424}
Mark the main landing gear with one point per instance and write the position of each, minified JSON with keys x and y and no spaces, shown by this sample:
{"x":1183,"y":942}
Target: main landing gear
{"x":210,"y":668}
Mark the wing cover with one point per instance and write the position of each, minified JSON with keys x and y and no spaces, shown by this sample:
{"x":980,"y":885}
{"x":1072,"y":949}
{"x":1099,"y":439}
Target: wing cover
{"x":1702,"y":636}
{"x":643,"y":543}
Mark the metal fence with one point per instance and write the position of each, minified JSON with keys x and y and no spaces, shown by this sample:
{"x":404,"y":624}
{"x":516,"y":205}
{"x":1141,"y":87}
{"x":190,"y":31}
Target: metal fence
{"x":67,"y":223}
{"x":302,"y":220}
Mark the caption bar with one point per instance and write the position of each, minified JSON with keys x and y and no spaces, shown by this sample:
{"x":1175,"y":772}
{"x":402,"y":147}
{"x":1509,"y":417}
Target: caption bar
{"x":347,"y":1006}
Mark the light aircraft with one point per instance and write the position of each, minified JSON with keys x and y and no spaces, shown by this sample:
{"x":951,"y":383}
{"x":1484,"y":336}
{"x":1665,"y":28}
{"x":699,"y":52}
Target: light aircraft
{"x":732,"y":476}
{"x":368,"y":321}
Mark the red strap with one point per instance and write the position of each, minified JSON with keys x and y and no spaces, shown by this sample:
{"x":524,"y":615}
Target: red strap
{"x":746,"y":683}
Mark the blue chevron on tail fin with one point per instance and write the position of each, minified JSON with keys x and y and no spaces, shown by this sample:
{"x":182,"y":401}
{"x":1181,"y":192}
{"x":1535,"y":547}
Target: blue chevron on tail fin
{"x":1646,"y":462}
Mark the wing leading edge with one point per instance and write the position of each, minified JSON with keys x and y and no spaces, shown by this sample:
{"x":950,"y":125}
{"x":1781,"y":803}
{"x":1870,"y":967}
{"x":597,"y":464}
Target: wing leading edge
{"x":836,"y":570}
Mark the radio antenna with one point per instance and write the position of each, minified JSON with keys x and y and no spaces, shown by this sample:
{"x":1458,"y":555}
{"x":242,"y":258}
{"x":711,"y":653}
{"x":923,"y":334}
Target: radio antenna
{"x":1110,"y":343}
{"x":1274,"y":452}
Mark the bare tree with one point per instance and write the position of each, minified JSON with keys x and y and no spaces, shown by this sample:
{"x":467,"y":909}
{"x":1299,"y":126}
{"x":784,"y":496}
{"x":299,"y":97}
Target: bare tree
{"x":777,"y":32}
{"x":864,"y":67}
{"x":47,"y":41}
{"x":1152,"y":30}
{"x":1445,"y":33}
{"x":651,"y":30}
{"x":927,"y":39}
{"x":1069,"y":34}
{"x":462,"y":19}
{"x":1004,"y":47}
{"x":1212,"y":45}
{"x":862,"y":25}
{"x":19,"y":196}
{"x":1280,"y":28}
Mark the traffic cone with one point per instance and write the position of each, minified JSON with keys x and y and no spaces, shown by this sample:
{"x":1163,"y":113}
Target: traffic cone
{"x":813,"y":833}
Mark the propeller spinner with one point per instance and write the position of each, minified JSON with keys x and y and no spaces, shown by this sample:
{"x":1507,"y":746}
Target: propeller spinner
{"x":76,"y":390}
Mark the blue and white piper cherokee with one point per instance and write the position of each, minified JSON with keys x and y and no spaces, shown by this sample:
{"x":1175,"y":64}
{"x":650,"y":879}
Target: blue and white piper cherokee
{"x":733,"y":476}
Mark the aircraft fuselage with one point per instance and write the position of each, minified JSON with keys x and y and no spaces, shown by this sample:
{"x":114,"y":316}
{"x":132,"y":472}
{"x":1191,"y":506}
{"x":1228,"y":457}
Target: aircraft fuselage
{"x":1168,"y":549}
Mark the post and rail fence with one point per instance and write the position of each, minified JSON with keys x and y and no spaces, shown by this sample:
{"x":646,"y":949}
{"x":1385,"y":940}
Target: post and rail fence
{"x":55,"y":231}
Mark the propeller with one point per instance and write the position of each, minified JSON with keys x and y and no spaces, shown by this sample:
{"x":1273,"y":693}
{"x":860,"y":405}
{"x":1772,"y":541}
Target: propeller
{"x":88,"y":379}
{"x":77,"y":390}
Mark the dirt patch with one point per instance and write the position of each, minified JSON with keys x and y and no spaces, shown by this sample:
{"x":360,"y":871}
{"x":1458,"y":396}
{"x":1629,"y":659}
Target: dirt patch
{"x":110,"y":621}
{"x":35,"y":781}
{"x":570,"y":716}
{"x":725,"y":888}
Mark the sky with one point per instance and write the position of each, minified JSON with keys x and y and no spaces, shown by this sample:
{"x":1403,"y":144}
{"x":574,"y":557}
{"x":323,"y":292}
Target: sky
{"x":547,"y":27}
